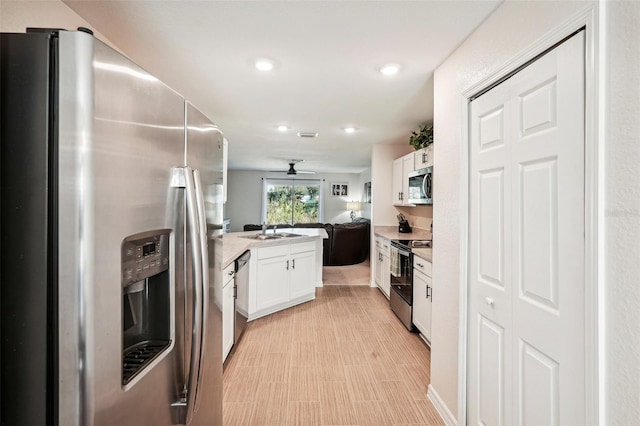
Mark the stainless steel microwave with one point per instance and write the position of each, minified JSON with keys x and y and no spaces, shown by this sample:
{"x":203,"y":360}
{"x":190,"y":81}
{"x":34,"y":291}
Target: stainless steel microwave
{"x":421,"y":186}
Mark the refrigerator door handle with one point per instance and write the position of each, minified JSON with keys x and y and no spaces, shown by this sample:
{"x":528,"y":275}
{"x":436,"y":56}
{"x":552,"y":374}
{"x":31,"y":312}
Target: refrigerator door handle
{"x":183,"y":177}
{"x":204,"y":255}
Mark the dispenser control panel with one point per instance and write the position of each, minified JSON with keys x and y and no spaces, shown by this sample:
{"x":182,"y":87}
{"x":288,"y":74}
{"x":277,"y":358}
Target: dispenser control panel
{"x":144,"y":255}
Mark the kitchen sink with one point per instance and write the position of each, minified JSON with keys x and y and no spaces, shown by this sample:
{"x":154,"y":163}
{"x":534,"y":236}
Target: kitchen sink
{"x":277,"y":236}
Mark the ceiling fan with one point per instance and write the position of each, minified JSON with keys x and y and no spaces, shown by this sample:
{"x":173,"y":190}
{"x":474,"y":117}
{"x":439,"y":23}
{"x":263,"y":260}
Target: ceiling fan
{"x":292,"y":170}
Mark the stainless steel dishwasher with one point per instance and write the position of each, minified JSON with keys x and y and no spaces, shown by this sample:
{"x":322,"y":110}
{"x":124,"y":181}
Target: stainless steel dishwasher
{"x":241,"y":294}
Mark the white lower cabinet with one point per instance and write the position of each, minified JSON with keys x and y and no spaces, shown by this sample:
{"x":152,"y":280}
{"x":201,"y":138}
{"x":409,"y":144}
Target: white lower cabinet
{"x":381,"y":266}
{"x":228,"y":310}
{"x":422,"y":296}
{"x":301,"y":274}
{"x":285,"y":275}
{"x":273,"y":278}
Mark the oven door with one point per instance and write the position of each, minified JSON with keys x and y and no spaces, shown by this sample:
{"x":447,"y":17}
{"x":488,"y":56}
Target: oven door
{"x":420,"y":186}
{"x":401,"y":269}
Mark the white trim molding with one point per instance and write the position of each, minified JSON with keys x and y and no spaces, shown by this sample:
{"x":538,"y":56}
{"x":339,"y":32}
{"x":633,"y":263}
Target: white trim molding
{"x":591,"y":20}
{"x":447,"y":416}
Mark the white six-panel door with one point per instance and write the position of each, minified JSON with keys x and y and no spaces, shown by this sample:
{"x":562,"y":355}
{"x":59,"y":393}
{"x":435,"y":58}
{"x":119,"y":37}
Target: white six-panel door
{"x":526,"y":278}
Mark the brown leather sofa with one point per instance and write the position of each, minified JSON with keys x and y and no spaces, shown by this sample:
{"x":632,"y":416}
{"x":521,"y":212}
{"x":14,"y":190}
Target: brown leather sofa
{"x":347,"y":243}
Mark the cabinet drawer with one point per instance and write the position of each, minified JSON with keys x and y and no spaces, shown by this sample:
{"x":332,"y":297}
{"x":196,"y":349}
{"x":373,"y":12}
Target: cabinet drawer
{"x":385,"y":247}
{"x":303,"y":247}
{"x":273,"y":251}
{"x":227,"y":273}
{"x":422,"y":265}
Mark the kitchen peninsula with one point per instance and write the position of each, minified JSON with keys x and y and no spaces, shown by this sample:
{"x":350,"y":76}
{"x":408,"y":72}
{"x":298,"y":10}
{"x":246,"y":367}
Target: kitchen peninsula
{"x":284,"y":269}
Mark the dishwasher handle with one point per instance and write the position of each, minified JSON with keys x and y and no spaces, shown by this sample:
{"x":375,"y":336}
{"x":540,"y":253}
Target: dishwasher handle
{"x":243,"y":260}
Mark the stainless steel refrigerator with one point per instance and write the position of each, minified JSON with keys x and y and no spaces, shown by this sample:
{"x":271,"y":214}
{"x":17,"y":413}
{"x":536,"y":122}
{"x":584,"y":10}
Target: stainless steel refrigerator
{"x":111,"y":216}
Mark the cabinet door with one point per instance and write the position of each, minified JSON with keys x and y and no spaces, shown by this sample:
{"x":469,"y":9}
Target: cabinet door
{"x":302,"y":274}
{"x":398,"y":178}
{"x":386,"y":275}
{"x":377,"y":265}
{"x":422,"y":292}
{"x":272,"y":281}
{"x":423,"y":158}
{"x":407,"y":167}
{"x":228,"y":318}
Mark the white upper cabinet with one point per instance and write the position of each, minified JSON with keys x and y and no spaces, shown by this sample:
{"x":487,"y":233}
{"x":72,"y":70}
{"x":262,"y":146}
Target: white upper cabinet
{"x":401,"y":168}
{"x":423,"y":158}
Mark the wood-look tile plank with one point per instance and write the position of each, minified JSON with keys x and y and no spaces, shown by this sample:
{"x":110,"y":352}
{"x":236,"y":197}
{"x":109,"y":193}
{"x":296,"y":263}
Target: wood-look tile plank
{"x":343,"y":358}
{"x":336,"y":405}
{"x":275,"y":368}
{"x":361,"y":383}
{"x":373,"y":413}
{"x":303,"y":384}
{"x":243,"y":385}
{"x":329,"y":367}
{"x":237,"y":413}
{"x":271,"y":404}
{"x":303,"y":413}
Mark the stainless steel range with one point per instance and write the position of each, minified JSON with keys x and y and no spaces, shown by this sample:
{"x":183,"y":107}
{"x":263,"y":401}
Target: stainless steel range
{"x":401,"y":269}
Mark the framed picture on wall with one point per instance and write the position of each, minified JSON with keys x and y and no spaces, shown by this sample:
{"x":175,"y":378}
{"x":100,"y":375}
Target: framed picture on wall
{"x":367,"y":192}
{"x":339,"y":189}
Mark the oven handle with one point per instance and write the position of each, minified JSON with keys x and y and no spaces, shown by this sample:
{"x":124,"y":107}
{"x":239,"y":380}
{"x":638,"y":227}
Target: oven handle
{"x":401,"y":250}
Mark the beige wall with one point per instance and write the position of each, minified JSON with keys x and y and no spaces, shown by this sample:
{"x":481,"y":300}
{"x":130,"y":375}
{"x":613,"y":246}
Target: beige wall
{"x":17,"y":15}
{"x":419,"y":216}
{"x":513,"y":27}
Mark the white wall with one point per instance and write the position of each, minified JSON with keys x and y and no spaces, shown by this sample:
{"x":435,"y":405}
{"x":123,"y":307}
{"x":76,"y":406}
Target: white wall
{"x":244,"y":196}
{"x":622,"y":213}
{"x":508,"y":31}
{"x":365,"y":177}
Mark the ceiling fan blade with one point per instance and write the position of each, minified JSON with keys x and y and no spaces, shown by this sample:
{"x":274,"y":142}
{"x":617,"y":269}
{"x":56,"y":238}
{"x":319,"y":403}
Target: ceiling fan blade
{"x":301,"y":172}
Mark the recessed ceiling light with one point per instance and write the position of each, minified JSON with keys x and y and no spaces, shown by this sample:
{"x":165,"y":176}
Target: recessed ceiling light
{"x":283,"y":128}
{"x":389,"y":69}
{"x":264,"y":64}
{"x":349,"y":129}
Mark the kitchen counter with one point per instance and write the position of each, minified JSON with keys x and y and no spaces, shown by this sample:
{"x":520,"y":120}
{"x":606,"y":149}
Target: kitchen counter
{"x":391,"y":233}
{"x":424,"y":253}
{"x":234,"y":244}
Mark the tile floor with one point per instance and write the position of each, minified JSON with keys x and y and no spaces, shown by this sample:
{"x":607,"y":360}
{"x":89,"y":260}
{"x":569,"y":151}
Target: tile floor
{"x":358,"y":274}
{"x":342,"y":359}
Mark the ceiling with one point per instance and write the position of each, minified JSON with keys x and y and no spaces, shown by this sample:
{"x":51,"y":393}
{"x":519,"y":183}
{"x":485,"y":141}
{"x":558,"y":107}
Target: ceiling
{"x":327,"y":56}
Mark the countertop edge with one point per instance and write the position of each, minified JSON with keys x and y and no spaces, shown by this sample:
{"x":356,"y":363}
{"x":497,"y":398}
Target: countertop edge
{"x":233,"y":243}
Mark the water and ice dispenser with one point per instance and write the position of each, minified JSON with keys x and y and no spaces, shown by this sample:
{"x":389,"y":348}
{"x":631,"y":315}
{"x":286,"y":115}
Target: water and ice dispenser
{"x":146,"y":300}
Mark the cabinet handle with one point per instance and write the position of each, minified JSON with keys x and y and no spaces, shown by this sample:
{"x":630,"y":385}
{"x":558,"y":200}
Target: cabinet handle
{"x":293,"y":264}
{"x":287,"y":265}
{"x":489,"y":300}
{"x":401,"y":196}
{"x":429,"y":295}
{"x":420,"y":265}
{"x":424,"y":157}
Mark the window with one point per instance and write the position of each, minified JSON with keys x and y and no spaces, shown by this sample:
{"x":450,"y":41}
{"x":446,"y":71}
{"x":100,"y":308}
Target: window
{"x":291,"y":201}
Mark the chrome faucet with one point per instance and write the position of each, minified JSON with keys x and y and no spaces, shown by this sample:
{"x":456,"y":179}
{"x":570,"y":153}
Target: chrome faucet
{"x":264,"y":228}
{"x":274,"y":228}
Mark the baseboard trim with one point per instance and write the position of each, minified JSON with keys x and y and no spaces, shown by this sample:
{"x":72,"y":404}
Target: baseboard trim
{"x":446,"y":415}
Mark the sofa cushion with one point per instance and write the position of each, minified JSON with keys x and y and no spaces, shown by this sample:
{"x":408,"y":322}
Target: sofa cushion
{"x":350,"y":244}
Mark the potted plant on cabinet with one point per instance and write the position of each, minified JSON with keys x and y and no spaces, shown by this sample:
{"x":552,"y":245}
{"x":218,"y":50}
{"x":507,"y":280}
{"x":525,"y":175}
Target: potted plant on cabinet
{"x":423,"y":138}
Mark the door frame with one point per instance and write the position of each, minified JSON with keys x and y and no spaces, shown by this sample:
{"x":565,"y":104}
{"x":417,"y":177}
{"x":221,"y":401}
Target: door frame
{"x":588,"y":19}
